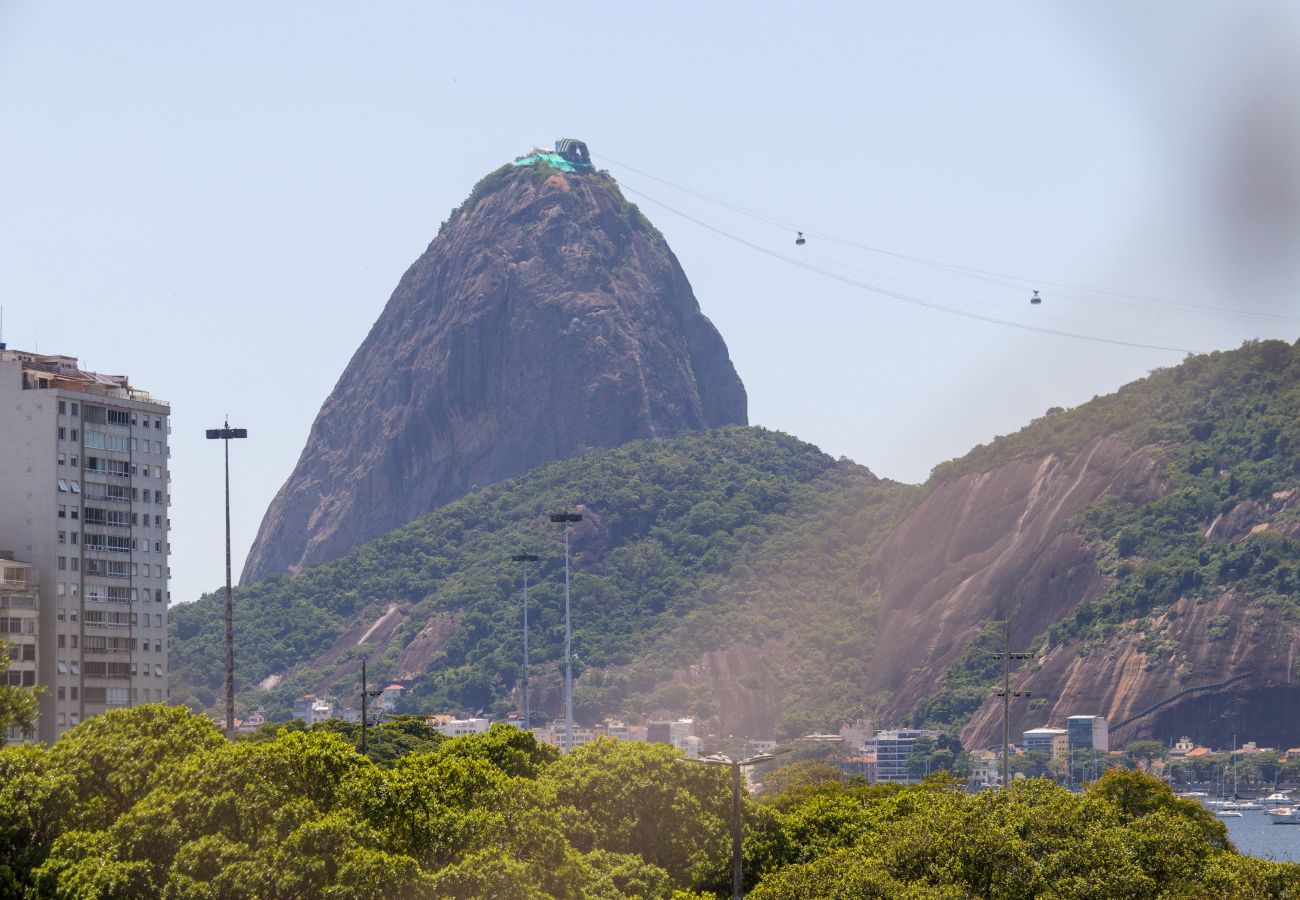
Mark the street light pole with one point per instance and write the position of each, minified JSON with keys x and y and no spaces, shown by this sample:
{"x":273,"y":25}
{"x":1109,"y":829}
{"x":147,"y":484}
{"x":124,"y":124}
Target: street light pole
{"x":566,"y":519}
{"x":526,"y":558}
{"x":1006,"y":694}
{"x":737,"y":849}
{"x":225,"y":434}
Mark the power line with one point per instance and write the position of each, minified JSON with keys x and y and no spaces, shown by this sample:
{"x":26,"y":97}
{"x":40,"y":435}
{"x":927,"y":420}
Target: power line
{"x":993,"y":277}
{"x":896,"y":295}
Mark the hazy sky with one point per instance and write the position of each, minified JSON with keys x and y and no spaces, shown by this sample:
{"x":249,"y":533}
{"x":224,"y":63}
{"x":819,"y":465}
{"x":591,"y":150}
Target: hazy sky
{"x":218,"y":199}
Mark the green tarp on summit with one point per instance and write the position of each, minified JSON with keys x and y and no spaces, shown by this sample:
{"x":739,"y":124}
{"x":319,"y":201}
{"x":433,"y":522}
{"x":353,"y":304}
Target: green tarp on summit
{"x":570,"y":155}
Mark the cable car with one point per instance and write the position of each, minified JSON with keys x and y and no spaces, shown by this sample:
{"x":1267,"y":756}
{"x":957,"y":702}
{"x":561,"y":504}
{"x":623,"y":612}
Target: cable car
{"x":1035,"y":300}
{"x":799,"y":241}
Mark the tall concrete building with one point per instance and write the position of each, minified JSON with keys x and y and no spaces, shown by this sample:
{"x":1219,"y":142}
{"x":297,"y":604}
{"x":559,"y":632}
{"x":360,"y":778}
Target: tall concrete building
{"x":1088,"y":733}
{"x":84,"y":495}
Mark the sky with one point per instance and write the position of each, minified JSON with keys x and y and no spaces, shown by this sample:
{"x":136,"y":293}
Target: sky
{"x":218,"y":199}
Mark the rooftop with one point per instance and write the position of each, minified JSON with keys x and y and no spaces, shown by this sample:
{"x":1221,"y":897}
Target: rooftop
{"x":43,"y":371}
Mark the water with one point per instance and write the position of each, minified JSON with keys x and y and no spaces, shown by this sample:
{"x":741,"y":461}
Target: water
{"x":1255,"y":835}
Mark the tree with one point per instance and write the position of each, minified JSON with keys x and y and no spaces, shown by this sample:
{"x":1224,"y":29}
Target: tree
{"x":18,"y":706}
{"x":642,"y":798}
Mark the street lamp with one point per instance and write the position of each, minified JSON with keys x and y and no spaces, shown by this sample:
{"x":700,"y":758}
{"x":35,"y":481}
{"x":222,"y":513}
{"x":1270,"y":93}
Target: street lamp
{"x":525,"y":558}
{"x":566,"y":519}
{"x":737,"y":855}
{"x":1006,"y":694}
{"x":225,"y":434}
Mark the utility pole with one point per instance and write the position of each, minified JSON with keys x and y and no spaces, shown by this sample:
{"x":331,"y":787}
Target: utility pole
{"x":225,"y":434}
{"x":1006,"y":694}
{"x":566,"y":519}
{"x":526,"y":558}
{"x":364,"y":697}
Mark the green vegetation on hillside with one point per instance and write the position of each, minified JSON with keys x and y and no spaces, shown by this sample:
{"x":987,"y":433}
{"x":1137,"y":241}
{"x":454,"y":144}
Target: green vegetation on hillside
{"x":1226,"y":428}
{"x":680,"y":535}
{"x":153,"y":802}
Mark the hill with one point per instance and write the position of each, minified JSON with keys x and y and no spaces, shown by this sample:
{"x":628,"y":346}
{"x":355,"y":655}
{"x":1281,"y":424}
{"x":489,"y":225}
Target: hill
{"x":1145,"y":543}
{"x":547,"y":317}
{"x":715,"y":573}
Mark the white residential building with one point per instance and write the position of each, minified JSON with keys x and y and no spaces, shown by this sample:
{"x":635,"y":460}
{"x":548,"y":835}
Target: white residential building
{"x":84,"y":495}
{"x":462,"y":727}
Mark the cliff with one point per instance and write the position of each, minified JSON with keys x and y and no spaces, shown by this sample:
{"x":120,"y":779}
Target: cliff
{"x":547,"y":317}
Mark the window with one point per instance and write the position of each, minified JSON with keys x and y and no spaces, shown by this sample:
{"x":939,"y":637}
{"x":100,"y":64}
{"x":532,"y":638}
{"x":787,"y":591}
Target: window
{"x":74,"y":462}
{"x":63,"y":486}
{"x":146,"y":495}
{"x":157,"y":423}
{"x":74,"y":642}
{"x":75,"y":666}
{"x":62,"y":612}
{"x":74,"y":412}
{"x":119,"y":417}
{"x":63,"y":693}
{"x":73,"y":435}
{"x":63,"y":408}
{"x":63,"y":564}
{"x":157,"y":546}
{"x":63,"y":667}
{"x":76,"y":486}
{"x":63,"y":459}
{"x":74,"y":513}
{"x":63,"y":433}
{"x":63,"y":537}
{"x":73,"y":562}
{"x":145,"y":421}
{"x":63,"y":510}
{"x":74,"y":694}
{"x":157,"y":447}
{"x":157,"y":670}
{"x":62,"y":641}
{"x":74,"y":537}
{"x":59,"y":590}
{"x":157,"y":619}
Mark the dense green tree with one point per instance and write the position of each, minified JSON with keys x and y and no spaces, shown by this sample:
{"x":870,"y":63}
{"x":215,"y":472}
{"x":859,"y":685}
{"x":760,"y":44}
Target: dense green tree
{"x":18,"y":706}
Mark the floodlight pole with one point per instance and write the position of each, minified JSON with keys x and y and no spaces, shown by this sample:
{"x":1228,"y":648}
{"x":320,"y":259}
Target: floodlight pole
{"x":1006,"y":694}
{"x":225,"y":434}
{"x":525,"y":558}
{"x":566,"y":519}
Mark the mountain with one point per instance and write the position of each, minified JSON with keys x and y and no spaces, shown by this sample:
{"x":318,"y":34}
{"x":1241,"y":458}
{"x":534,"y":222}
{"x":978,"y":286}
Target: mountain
{"x":547,"y":317}
{"x":714,"y":573}
{"x":1146,"y":545}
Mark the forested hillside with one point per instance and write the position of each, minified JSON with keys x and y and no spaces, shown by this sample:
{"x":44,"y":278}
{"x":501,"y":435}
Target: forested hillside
{"x":688,"y":545}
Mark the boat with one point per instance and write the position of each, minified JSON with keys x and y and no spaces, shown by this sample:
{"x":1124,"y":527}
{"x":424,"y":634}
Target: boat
{"x":1285,"y":815}
{"x":1249,"y":805}
{"x":1231,"y":813}
{"x":1277,"y":798}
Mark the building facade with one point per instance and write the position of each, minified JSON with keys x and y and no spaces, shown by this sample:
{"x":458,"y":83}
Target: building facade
{"x":19,"y":628}
{"x":1088,"y":733}
{"x":84,"y":497}
{"x":893,"y":748}
{"x":1052,"y":741}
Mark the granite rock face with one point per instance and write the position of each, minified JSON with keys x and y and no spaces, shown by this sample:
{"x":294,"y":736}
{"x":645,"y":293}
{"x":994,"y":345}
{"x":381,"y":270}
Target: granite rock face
{"x":547,"y":317}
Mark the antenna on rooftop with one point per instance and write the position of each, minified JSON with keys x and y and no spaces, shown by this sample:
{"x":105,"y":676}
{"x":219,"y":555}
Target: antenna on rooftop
{"x":2,"y":328}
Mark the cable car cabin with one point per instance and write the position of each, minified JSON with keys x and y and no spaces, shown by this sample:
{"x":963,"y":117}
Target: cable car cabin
{"x":799,"y":241}
{"x":1035,"y":300}
{"x":573,"y":151}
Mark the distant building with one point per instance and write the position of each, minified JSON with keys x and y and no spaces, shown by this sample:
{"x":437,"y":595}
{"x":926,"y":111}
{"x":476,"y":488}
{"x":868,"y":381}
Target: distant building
{"x":863,"y":764}
{"x":321,"y":711}
{"x":1088,"y":733}
{"x":20,"y":628}
{"x":554,"y":735}
{"x":857,"y":734}
{"x":756,"y":747}
{"x":893,"y":748}
{"x":254,"y":721}
{"x":1054,"y":742}
{"x":391,"y":695}
{"x":302,"y":707}
{"x":462,"y":727}
{"x":1180,"y":750}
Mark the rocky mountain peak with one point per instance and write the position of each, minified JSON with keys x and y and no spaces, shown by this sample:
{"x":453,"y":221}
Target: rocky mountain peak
{"x":547,"y":317}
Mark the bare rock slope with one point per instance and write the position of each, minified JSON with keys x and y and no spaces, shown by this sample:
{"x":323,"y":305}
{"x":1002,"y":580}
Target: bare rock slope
{"x":547,"y":317}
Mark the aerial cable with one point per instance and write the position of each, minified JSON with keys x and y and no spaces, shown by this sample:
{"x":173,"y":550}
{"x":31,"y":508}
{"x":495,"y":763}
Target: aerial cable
{"x":991,"y":277}
{"x":905,"y":298}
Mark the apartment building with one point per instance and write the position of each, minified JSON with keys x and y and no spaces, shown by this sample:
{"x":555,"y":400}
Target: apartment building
{"x":19,"y":628}
{"x":84,"y":497}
